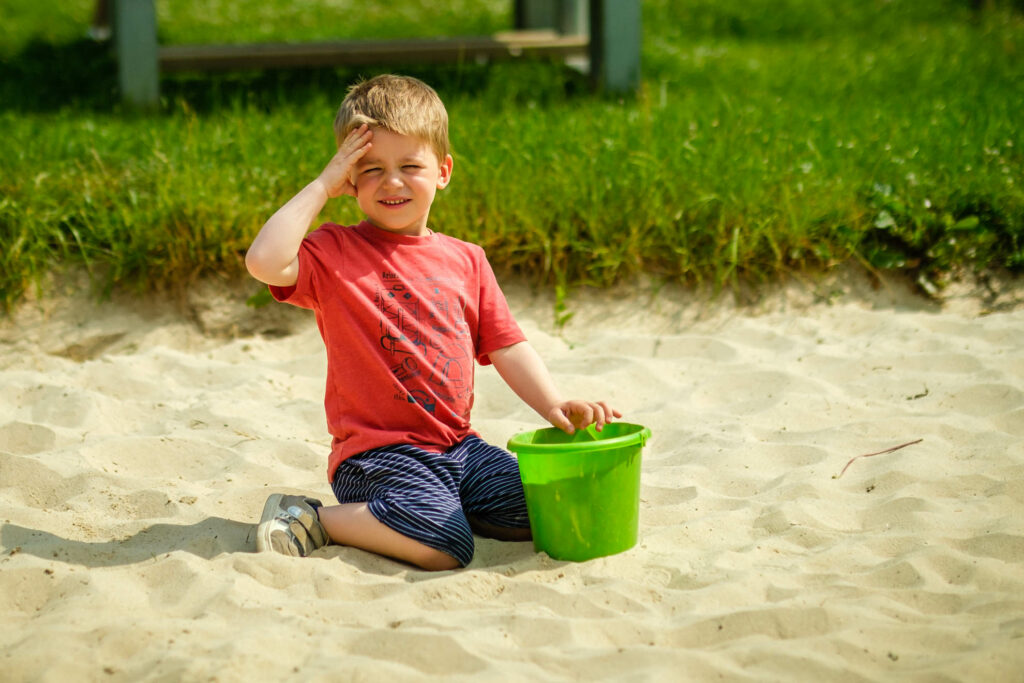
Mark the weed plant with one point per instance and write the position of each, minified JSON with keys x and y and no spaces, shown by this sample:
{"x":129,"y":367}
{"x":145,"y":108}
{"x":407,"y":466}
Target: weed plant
{"x":767,"y":137}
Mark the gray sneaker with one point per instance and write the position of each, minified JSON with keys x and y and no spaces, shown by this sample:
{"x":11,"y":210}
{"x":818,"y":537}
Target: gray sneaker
{"x":290,"y":525}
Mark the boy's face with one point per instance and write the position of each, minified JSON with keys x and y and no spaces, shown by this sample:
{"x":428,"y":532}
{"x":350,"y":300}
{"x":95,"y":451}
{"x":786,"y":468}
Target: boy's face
{"x":396,"y":182}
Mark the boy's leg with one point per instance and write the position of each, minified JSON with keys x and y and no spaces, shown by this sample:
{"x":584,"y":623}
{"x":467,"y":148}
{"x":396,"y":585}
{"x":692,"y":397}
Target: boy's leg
{"x":492,"y":492}
{"x":353,"y":524}
{"x":412,"y":494}
{"x":481,"y":527}
{"x":298,"y":525}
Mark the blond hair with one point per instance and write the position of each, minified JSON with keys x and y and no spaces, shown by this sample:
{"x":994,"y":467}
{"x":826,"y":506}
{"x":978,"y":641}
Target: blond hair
{"x":400,"y":104}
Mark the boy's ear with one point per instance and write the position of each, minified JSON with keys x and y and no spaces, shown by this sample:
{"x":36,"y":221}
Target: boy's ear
{"x":446,"y":172}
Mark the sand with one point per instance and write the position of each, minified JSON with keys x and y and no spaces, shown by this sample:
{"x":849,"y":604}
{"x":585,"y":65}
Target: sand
{"x":139,"y":439}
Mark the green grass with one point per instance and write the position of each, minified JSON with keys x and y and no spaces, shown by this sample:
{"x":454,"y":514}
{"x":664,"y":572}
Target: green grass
{"x":768,"y":137}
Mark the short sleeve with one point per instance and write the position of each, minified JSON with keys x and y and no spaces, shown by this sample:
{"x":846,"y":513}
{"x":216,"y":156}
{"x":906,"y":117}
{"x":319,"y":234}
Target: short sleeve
{"x":497,"y":327}
{"x":317,"y":249}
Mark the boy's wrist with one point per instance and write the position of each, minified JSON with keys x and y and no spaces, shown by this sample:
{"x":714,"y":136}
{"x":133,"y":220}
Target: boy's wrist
{"x":322,"y":187}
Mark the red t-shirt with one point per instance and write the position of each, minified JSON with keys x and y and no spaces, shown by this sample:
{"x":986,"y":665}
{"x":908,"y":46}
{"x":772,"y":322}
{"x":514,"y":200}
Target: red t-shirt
{"x":402,"y":319}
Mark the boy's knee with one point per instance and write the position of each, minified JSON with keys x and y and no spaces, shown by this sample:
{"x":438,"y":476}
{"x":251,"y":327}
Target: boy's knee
{"x":435,"y":560}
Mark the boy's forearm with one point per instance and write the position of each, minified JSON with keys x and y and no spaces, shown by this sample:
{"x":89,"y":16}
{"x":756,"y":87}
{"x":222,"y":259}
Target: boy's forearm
{"x":525,"y":373}
{"x":273,"y":256}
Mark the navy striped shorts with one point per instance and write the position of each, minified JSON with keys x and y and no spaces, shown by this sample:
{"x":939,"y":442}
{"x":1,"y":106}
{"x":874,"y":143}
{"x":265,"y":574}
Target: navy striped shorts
{"x":427,"y":496}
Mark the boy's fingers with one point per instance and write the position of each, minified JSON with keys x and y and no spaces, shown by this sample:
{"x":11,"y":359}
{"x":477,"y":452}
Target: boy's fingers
{"x":358,"y":132}
{"x":597,"y":413}
{"x":355,"y":155}
{"x":559,"y":419}
{"x":580,"y":414}
{"x":350,"y":153}
{"x":359,"y":135}
{"x":610,"y":414}
{"x":355,"y":142}
{"x":587,"y":415}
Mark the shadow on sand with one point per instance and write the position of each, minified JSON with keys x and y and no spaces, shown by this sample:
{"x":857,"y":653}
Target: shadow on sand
{"x":208,"y":538}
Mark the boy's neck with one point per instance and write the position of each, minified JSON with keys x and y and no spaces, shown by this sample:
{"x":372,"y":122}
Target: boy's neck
{"x":400,"y":236}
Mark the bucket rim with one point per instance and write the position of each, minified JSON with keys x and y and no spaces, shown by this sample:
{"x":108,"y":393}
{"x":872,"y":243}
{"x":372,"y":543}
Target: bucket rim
{"x":518,"y":445}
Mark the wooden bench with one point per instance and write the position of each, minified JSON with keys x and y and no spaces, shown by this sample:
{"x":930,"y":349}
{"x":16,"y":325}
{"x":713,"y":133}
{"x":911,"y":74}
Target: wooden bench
{"x":604,"y":33}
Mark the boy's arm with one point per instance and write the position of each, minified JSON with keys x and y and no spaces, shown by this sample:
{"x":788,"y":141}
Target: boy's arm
{"x":525,"y":373}
{"x":273,"y":257}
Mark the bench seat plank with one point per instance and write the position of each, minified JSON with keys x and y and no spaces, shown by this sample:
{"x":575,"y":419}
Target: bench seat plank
{"x":359,"y":52}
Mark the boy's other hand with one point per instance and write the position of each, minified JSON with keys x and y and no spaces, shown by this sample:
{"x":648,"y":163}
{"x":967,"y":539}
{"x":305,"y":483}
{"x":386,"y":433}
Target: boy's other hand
{"x":572,"y":415}
{"x":336,"y":178}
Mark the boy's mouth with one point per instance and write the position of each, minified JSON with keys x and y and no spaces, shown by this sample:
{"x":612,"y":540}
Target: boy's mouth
{"x":394,"y":202}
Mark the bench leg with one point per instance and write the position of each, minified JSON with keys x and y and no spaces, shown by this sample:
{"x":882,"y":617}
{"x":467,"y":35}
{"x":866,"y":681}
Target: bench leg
{"x":135,"y":42}
{"x":531,"y":14}
{"x":568,"y":17}
{"x":615,"y":31}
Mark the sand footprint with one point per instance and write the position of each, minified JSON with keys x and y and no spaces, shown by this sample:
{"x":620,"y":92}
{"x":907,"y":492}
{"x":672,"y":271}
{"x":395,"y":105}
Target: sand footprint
{"x":1011,"y":422}
{"x":60,"y":406}
{"x":982,"y":400}
{"x":778,"y":522}
{"x":903,"y":513}
{"x":779,"y":624}
{"x":894,"y":573}
{"x":38,"y":486}
{"x":25,"y":438}
{"x":704,"y":348}
{"x":1006,"y":547}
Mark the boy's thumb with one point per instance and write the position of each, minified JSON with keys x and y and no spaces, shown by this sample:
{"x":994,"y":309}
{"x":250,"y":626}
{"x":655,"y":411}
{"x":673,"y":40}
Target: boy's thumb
{"x":558,"y":419}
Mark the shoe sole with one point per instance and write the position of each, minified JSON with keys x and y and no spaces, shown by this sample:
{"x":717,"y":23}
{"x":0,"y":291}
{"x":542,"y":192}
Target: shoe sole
{"x":263,"y":542}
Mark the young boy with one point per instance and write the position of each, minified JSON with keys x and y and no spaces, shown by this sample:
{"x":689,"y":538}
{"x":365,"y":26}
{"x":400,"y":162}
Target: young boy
{"x":403,"y":312}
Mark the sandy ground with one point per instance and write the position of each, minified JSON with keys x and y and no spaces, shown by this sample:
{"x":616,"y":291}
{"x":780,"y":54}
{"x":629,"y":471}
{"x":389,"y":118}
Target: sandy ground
{"x":138,"y":441}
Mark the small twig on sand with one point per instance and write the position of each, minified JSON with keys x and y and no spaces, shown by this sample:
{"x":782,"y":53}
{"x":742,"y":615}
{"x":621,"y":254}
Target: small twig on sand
{"x":868,"y":455}
{"x":915,"y":396}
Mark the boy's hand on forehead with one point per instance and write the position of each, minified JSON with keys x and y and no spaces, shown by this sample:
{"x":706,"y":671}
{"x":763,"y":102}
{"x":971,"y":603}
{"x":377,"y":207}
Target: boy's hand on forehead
{"x":336,"y":178}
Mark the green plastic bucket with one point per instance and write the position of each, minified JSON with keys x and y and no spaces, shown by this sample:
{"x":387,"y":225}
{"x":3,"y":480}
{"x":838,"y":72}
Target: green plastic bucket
{"x":582,"y":490}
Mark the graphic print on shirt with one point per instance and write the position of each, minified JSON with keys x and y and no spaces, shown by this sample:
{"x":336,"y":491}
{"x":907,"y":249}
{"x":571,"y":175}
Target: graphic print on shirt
{"x":424,"y":331}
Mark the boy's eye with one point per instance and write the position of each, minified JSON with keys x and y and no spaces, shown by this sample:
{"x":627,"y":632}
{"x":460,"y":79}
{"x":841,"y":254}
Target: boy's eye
{"x":372,"y":169}
{"x":411,"y":166}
